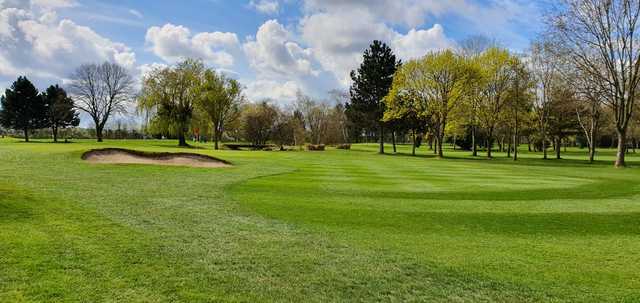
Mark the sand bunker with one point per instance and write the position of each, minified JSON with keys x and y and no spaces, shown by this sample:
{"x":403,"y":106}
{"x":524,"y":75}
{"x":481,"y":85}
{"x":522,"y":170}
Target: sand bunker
{"x":125,"y":156}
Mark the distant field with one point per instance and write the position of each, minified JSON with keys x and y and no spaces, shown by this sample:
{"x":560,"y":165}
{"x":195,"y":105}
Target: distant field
{"x":316,"y":227}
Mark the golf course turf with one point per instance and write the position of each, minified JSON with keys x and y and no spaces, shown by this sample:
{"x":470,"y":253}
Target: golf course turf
{"x":333,"y":226}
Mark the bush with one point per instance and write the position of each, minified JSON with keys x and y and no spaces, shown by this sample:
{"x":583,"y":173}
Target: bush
{"x":344,"y":146}
{"x":313,"y":147}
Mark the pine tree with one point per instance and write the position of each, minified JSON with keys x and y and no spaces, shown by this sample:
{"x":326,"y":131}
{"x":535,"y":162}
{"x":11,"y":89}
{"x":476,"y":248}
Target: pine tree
{"x":23,"y":108}
{"x":61,"y":111}
{"x":371,"y":83}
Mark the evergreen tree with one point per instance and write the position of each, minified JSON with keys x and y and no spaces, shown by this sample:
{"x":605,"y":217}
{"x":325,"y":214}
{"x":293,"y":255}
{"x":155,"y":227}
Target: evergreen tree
{"x":371,"y":83}
{"x":61,"y":111}
{"x":23,"y":108}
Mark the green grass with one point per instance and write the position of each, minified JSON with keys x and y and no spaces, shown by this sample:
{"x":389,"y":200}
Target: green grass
{"x":316,"y":227}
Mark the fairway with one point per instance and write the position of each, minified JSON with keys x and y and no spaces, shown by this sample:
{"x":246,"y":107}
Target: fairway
{"x":333,"y":226}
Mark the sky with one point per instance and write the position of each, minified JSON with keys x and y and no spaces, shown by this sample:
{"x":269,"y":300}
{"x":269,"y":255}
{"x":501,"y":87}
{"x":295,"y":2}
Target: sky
{"x":275,"y":48}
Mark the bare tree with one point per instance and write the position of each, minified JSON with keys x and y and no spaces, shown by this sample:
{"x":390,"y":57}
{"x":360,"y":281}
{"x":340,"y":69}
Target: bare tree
{"x":545,"y":72}
{"x":588,"y":110}
{"x":601,"y":38}
{"x":101,"y":91}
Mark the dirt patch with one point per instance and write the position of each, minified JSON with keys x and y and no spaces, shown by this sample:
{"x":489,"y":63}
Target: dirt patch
{"x":126,"y":156}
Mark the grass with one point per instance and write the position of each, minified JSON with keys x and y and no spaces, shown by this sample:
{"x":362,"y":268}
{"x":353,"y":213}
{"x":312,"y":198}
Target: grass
{"x":316,"y":227}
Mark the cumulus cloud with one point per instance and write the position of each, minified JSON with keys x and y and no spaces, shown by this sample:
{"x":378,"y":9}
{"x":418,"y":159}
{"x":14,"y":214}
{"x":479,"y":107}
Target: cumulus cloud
{"x":269,"y":7}
{"x":417,"y":43}
{"x":280,"y":91}
{"x":338,"y":39}
{"x":175,"y":42}
{"x":273,"y":53}
{"x":36,"y":44}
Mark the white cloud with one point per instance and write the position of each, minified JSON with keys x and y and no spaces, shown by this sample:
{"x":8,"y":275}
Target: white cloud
{"x":273,"y":53}
{"x":53,"y":4}
{"x":174,"y":42}
{"x":269,"y":7}
{"x":417,"y":43}
{"x":338,"y":39}
{"x":136,"y":13}
{"x":36,"y":44}
{"x":281,"y":92}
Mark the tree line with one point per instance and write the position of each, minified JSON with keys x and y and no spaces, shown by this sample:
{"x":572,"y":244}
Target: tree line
{"x":577,"y":81}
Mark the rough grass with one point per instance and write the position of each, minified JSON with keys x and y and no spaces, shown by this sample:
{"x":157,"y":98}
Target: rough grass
{"x":316,"y":227}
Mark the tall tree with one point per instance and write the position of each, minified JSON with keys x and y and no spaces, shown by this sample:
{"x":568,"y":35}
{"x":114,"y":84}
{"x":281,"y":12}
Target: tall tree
{"x":101,"y":91}
{"x":497,"y":69}
{"x":172,"y":93}
{"x":602,"y":39}
{"x":545,"y":68}
{"x":61,"y":112}
{"x":432,"y":87}
{"x":371,"y":83}
{"x":23,"y":108}
{"x":258,"y":121}
{"x":520,"y":101}
{"x":220,"y":98}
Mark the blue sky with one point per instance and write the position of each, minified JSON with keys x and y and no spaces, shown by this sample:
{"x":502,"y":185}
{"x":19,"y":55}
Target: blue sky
{"x":274,"y":47}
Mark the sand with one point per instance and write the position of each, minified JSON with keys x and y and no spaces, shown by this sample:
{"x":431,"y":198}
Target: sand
{"x":123,"y":156}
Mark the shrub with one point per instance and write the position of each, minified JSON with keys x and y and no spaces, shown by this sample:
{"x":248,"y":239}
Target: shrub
{"x":313,"y":147}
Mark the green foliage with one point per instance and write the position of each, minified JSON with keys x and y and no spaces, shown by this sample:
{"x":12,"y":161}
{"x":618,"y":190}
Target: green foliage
{"x":258,"y":121}
{"x":428,"y":89}
{"x":371,"y":83}
{"x":23,"y":108}
{"x":61,"y":111}
{"x":220,"y":99}
{"x":171,"y":94}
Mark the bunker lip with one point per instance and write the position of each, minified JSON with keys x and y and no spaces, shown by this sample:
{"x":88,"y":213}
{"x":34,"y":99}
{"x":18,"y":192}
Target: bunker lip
{"x":127,"y":156}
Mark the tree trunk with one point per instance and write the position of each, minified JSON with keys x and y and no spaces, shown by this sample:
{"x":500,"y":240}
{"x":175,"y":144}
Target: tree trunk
{"x":182,"y":141}
{"x":393,"y":139}
{"x":558,"y":143}
{"x":592,"y":147}
{"x":413,"y":148}
{"x":381,"y":139}
{"x":54,"y":131}
{"x":215,"y":138}
{"x":516,"y":144}
{"x":489,"y":142}
{"x":99,"y":133}
{"x":26,"y":135}
{"x":622,"y":142}
{"x":473,"y":141}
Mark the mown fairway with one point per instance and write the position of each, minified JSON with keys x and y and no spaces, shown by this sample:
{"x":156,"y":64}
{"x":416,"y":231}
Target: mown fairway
{"x":316,"y":227}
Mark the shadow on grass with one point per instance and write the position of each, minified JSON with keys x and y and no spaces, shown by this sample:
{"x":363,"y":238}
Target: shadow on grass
{"x":14,"y":206}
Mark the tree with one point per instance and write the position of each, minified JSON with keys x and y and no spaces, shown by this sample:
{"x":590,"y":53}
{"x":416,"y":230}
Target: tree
{"x":432,"y":87}
{"x":471,"y":48}
{"x":545,"y":69}
{"x":520,"y":100}
{"x":258,"y":121}
{"x":220,"y":98}
{"x":371,"y":83}
{"x":172,"y":93}
{"x":282,"y":132}
{"x":588,"y":108}
{"x":562,"y":117}
{"x":601,"y":38}
{"x":61,"y":111}
{"x":101,"y":91}
{"x":497,"y":70}
{"x":23,"y":108}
